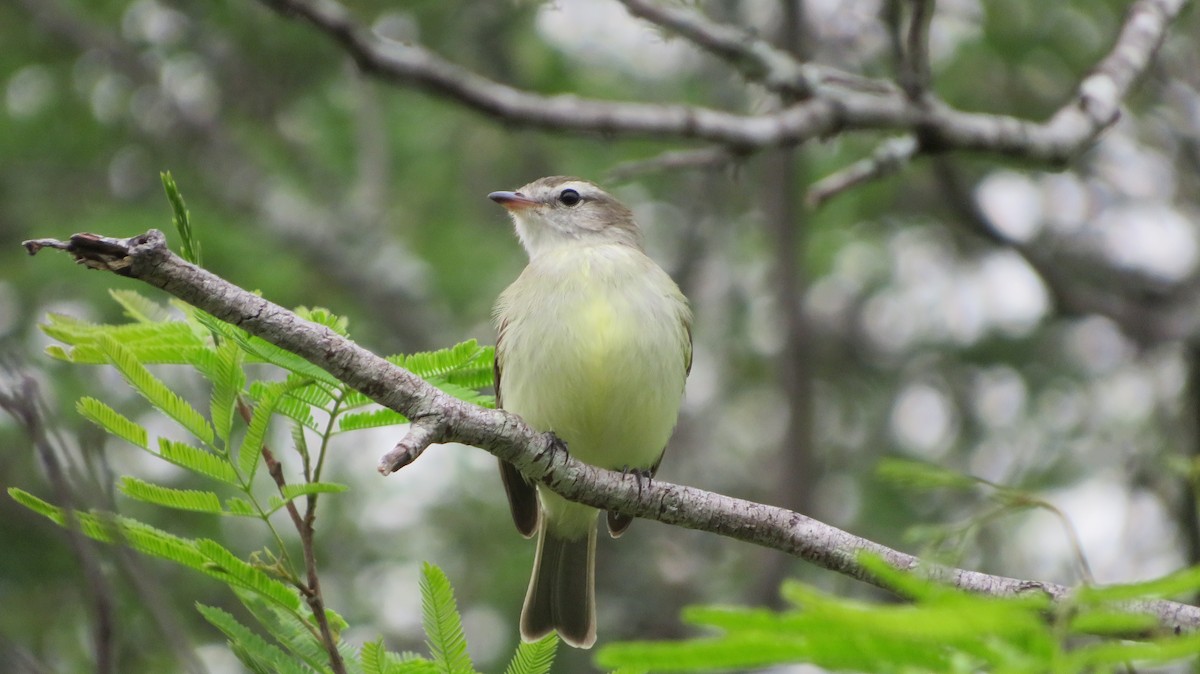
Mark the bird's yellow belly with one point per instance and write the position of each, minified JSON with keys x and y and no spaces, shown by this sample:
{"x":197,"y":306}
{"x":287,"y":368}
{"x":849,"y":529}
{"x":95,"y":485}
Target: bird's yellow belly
{"x":599,"y":379}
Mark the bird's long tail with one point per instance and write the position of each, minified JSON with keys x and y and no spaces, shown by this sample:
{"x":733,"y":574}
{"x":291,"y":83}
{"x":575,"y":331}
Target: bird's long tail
{"x":562,"y":592}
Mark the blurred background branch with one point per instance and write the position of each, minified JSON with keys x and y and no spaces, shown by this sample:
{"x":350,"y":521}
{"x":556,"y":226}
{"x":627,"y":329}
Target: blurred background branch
{"x":1071,"y":128}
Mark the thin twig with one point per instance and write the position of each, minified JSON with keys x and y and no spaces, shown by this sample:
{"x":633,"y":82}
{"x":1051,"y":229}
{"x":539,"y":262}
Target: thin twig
{"x":421,"y":433}
{"x":888,"y":158}
{"x":704,"y":158}
{"x":536,"y":454}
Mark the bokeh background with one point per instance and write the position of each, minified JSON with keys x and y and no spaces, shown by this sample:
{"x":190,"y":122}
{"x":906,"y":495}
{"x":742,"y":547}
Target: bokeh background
{"x":1034,"y":326}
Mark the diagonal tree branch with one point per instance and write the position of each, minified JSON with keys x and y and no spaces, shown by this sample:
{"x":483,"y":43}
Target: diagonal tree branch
{"x":438,"y":417}
{"x":1091,"y":109}
{"x":676,"y":160}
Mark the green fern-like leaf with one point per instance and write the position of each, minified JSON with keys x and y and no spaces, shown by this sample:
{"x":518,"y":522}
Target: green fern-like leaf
{"x":377,"y":660}
{"x":163,"y":342}
{"x":295,"y":490}
{"x":180,"y":499}
{"x":182,"y":219}
{"x":74,"y":332}
{"x":465,"y":394}
{"x":325,"y":317}
{"x":109,"y":528}
{"x":534,"y":658}
{"x":256,"y":434}
{"x":308,"y":392}
{"x":240,"y":507}
{"x":260,"y":350}
{"x":1113,"y":623}
{"x":904,"y":583}
{"x":477,"y":372}
{"x":298,"y":633}
{"x":254,"y":651}
{"x":37,"y":505}
{"x":1111,"y":656}
{"x":155,"y":391}
{"x":202,"y":555}
{"x":415,"y":667}
{"x":228,"y":380}
{"x":58,"y":353}
{"x":458,"y":370}
{"x":228,"y":567}
{"x":374,"y":658}
{"x":114,"y":422}
{"x":139,"y":307}
{"x":74,"y":329}
{"x":300,"y":397}
{"x":943,"y":630}
{"x":376,"y":418}
{"x":298,"y":411}
{"x":198,"y":460}
{"x":443,"y":625}
{"x":290,"y":630}
{"x":354,"y":400}
{"x":292,"y":491}
{"x":157,"y":543}
{"x":1176,"y":584}
{"x":839,"y":634}
{"x":941,"y":617}
{"x":743,"y":652}
{"x":148,"y":354}
{"x":919,"y":475}
{"x":441,"y":362}
{"x":381,"y":417}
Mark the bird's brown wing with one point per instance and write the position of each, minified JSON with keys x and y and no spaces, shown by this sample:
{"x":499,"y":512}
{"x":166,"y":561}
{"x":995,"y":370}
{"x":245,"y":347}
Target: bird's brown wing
{"x":618,"y":523}
{"x":522,"y":494}
{"x":687,"y":359}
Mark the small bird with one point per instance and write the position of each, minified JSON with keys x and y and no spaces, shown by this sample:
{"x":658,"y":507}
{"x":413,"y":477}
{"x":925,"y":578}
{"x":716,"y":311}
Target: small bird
{"x":594,"y":344}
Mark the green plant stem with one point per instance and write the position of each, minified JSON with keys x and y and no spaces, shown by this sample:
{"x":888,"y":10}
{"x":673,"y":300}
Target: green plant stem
{"x":263,"y":514}
{"x":310,"y":506}
{"x":337,"y":409}
{"x":311,"y":589}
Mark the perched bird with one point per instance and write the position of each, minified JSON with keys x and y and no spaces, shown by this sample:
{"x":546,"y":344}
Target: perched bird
{"x":594,"y":345}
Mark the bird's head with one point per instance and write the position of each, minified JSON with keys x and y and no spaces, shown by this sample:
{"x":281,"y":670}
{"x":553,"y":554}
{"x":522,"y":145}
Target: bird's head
{"x":559,"y":210}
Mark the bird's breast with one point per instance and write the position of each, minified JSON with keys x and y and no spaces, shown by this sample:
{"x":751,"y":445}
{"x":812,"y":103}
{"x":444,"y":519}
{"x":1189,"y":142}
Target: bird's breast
{"x":593,"y":349}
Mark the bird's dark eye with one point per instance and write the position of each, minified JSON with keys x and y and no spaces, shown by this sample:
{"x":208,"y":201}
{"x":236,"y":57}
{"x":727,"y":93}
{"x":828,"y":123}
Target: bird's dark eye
{"x":569,"y":197}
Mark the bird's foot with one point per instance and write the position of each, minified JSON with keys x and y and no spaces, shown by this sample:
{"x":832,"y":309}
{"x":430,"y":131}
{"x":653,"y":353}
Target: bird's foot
{"x":638,"y":474}
{"x":555,"y":446}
